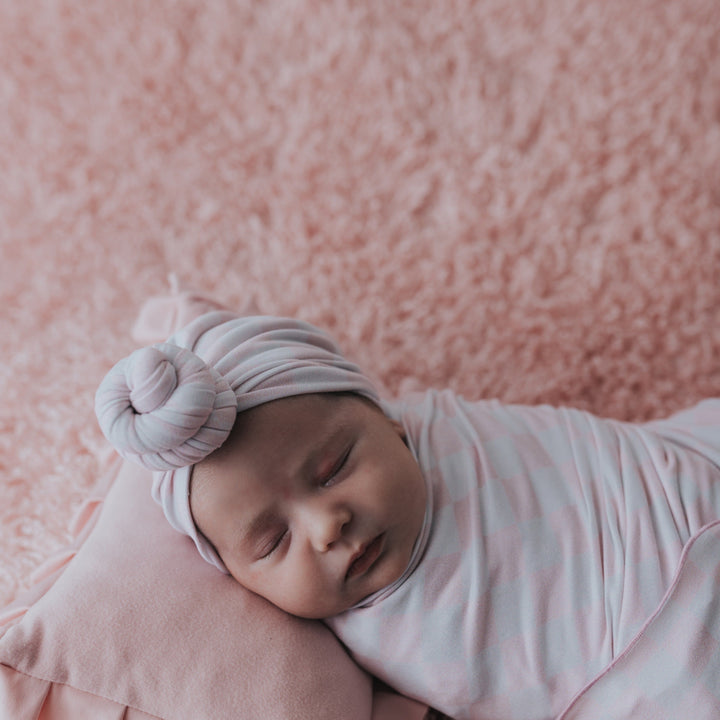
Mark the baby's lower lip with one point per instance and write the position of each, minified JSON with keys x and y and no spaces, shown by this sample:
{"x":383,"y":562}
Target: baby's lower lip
{"x":366,"y":560}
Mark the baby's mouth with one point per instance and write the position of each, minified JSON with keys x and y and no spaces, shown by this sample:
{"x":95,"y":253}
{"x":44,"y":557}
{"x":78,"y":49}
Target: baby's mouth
{"x":365,"y":557}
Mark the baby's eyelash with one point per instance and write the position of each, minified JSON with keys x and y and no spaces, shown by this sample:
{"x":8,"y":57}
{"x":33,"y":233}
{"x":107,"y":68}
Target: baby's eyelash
{"x":326,"y":481}
{"x":274,"y":545}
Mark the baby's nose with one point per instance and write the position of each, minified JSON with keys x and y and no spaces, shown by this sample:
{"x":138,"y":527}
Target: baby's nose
{"x":327,"y":526}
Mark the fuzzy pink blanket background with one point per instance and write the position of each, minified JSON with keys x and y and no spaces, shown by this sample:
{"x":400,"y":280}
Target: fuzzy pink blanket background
{"x":515,"y":199}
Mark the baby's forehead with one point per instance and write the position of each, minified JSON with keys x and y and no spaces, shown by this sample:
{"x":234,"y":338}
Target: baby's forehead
{"x":293,"y":429}
{"x":302,"y":423}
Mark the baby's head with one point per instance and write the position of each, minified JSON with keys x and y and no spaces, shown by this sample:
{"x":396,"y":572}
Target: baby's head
{"x":271,"y":452}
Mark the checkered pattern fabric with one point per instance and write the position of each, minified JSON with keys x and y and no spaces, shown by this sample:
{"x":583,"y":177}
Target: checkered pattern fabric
{"x":672,"y":668}
{"x":554,"y":536}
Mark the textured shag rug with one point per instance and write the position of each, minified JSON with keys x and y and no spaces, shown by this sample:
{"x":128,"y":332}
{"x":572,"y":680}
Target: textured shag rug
{"x":515,"y":199}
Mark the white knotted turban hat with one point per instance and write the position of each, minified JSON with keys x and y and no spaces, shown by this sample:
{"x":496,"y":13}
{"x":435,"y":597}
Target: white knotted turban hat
{"x":168,"y":406}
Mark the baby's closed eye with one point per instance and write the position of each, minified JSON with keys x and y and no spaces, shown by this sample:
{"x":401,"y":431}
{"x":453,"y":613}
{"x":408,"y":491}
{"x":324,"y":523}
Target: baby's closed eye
{"x":272,"y":543}
{"x":332,"y":474}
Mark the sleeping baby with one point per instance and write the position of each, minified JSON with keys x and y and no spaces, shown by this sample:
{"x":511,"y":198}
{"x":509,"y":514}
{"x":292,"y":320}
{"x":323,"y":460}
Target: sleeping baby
{"x":489,"y":560}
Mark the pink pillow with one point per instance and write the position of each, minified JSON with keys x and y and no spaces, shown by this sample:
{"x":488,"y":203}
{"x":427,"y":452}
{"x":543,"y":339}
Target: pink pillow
{"x":133,"y":621}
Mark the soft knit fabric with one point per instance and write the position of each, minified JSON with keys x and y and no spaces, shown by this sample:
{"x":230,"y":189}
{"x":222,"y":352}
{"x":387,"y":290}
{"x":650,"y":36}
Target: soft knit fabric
{"x":553,"y":536}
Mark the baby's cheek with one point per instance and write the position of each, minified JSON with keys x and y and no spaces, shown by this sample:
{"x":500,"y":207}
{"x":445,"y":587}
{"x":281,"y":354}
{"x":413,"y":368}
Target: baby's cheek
{"x":406,"y":491}
{"x":247,"y":575}
{"x":235,"y":575}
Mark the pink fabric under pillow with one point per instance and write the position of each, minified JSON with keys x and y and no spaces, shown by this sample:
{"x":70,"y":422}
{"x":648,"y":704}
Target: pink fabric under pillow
{"x":134,"y":624}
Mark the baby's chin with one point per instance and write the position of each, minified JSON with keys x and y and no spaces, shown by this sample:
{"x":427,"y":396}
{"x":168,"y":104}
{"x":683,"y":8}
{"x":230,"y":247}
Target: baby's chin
{"x":324,"y":609}
{"x":318,"y":612}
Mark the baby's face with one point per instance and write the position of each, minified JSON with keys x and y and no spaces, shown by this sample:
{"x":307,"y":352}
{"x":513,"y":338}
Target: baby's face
{"x":314,"y":502}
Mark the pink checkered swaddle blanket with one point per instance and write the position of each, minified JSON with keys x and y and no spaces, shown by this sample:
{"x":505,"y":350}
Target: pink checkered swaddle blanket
{"x":553,"y":536}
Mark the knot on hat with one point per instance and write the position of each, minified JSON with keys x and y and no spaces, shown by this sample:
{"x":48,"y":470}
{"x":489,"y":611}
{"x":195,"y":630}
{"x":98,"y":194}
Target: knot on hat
{"x":164,"y":408}
{"x":152,"y":380}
